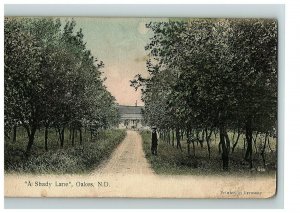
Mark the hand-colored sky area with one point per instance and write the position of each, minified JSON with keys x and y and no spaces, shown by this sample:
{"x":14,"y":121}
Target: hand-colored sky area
{"x":119,"y":43}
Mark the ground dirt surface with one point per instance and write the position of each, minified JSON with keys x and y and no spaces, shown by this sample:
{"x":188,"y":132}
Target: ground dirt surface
{"x":128,"y":158}
{"x":128,"y":174}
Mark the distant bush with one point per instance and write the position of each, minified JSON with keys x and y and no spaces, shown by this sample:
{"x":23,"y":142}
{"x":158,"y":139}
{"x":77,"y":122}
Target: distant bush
{"x":79,"y":159}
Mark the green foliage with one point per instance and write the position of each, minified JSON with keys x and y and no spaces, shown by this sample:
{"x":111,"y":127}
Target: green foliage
{"x":171,"y":161}
{"x":202,"y":69}
{"x":52,"y":80}
{"x":208,"y":74}
{"x":80,"y":159}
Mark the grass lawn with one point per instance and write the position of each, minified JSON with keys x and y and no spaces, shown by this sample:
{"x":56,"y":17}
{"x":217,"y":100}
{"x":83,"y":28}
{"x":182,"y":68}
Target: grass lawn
{"x":68,"y":160}
{"x":171,"y":161}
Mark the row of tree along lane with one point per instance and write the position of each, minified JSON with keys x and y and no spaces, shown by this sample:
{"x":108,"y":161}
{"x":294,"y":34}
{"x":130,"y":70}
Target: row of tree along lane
{"x":53,"y":83}
{"x":212,"y":76}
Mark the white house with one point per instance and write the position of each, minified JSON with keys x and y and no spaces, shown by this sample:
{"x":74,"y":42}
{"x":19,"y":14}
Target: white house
{"x":131,"y":117}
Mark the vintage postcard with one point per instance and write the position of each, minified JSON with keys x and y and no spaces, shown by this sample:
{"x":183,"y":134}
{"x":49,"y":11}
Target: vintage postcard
{"x":140,"y":107}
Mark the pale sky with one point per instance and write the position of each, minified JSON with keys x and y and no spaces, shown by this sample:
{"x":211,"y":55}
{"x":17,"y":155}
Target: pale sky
{"x":119,"y":43}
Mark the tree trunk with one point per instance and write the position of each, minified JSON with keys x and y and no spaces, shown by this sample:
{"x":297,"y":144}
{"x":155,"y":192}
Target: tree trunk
{"x":73,"y":136}
{"x":14,"y":139}
{"x":80,"y":136}
{"x":225,"y":157}
{"x":188,"y":142}
{"x":178,"y":145}
{"x":249,"y":150}
{"x":236,"y":141}
{"x":31,"y":132}
{"x":46,"y":138}
{"x":62,"y":137}
{"x":173,"y":138}
{"x":208,"y":149}
{"x":194,"y":150}
{"x":207,"y":137}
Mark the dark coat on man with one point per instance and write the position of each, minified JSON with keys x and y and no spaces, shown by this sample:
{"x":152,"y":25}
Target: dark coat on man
{"x":154,"y":138}
{"x":154,"y":143}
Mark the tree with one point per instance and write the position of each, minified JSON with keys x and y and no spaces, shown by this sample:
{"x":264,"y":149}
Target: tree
{"x":22,"y":77}
{"x":52,"y":80}
{"x":212,"y":73}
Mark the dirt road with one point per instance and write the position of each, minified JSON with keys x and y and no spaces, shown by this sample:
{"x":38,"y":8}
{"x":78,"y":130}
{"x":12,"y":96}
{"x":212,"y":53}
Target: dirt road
{"x":128,"y":158}
{"x":128,"y":174}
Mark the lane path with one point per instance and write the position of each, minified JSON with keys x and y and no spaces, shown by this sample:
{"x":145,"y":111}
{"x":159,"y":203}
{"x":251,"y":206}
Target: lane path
{"x":128,"y":158}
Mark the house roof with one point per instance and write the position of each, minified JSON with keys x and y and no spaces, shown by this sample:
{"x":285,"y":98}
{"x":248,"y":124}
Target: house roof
{"x":130,"y":109}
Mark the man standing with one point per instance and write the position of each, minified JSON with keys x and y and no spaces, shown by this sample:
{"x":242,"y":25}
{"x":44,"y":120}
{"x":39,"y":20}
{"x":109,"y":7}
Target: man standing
{"x":154,"y":142}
